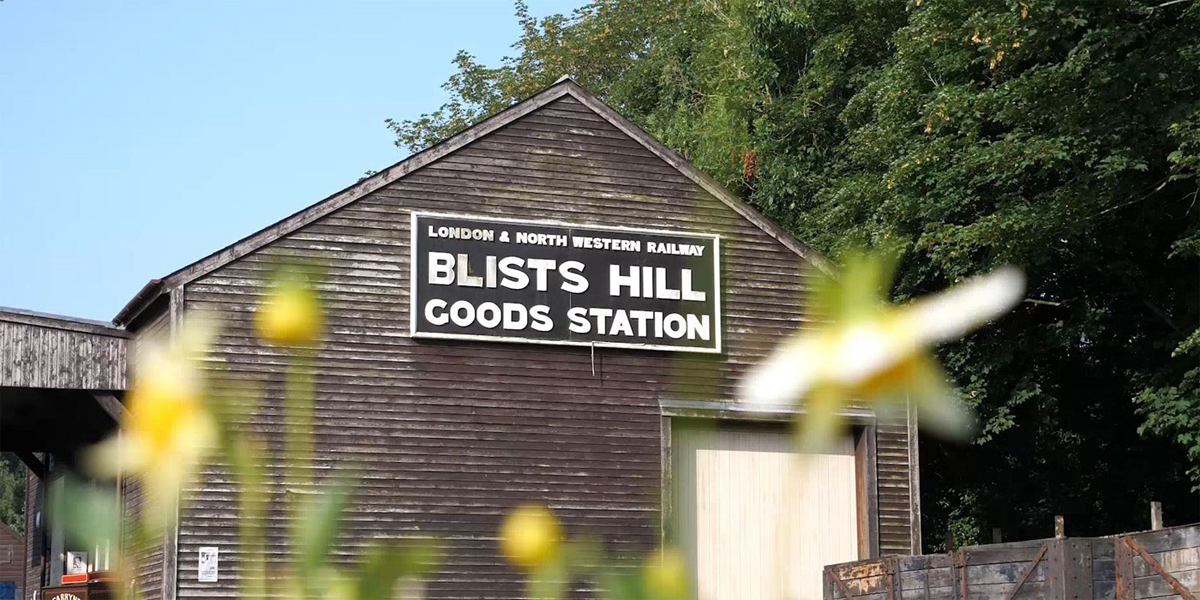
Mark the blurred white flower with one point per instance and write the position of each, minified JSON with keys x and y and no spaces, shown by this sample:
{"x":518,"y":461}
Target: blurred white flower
{"x":169,"y":429}
{"x":869,"y":352}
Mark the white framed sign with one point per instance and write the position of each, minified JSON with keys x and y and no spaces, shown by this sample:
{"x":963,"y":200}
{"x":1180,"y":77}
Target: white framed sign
{"x":546,"y":282}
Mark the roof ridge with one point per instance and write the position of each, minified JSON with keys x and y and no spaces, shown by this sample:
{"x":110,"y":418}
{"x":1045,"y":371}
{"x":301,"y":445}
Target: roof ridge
{"x":563,"y":87}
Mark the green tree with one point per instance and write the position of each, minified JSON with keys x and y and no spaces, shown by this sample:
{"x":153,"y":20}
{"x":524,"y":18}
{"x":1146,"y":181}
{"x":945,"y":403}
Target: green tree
{"x":12,"y":492}
{"x":1059,"y":135}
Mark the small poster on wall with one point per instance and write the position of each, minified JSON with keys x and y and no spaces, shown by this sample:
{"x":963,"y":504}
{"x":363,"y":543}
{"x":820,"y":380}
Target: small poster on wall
{"x":208,"y":564}
{"x":77,"y":563}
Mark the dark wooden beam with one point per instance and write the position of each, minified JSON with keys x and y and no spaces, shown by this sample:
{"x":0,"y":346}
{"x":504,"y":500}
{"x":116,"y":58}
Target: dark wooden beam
{"x":31,"y":460}
{"x":111,"y":405}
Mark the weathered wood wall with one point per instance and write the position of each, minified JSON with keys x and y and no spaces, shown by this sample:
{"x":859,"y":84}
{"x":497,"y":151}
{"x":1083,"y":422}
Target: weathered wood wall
{"x":12,"y":558}
{"x":44,"y":351}
{"x":454,"y":434}
{"x":1106,"y":568}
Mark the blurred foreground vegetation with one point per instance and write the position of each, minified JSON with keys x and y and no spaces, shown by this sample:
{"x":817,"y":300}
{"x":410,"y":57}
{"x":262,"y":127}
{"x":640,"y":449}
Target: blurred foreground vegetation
{"x":1060,"y":135}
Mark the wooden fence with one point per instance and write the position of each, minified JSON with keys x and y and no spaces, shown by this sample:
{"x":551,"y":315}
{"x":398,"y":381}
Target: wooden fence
{"x":1156,"y":564}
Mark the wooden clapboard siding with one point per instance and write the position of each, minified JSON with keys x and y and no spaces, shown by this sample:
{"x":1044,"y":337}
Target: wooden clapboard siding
{"x":452,"y":435}
{"x":757,"y":520}
{"x":47,"y":351}
{"x":12,"y":558}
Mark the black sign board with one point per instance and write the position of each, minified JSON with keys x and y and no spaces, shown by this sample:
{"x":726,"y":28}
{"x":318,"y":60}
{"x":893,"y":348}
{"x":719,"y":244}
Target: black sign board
{"x":557,"y":283}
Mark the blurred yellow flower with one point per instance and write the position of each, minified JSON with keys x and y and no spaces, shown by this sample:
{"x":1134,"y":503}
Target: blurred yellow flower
{"x":530,"y":536}
{"x":168,"y":429}
{"x":665,"y":575}
{"x":875,"y":353}
{"x":291,"y":313}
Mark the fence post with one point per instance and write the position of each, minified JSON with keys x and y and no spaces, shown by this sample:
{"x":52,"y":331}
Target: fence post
{"x":955,"y":588}
{"x":1156,"y":516}
{"x":1122,"y":568}
{"x":1060,"y":527}
{"x":893,"y":574}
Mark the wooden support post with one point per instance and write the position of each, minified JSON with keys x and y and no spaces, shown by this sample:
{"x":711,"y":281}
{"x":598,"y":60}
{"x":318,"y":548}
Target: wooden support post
{"x":1156,"y":517}
{"x":1060,"y":527}
{"x":997,"y":536}
{"x":1123,"y":569}
{"x":963,"y":573}
{"x":956,"y":590}
{"x":110,"y":405}
{"x":893,"y":577}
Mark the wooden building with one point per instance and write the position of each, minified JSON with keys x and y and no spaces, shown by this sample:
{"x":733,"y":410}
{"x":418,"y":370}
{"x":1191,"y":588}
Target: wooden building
{"x":12,"y":562}
{"x":61,"y":379}
{"x":459,"y":413}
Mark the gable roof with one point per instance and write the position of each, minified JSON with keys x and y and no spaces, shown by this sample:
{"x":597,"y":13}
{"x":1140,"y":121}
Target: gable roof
{"x":560,"y":89}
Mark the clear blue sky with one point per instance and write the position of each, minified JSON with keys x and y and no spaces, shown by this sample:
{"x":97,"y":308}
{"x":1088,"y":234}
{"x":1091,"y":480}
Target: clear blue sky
{"x":137,"y":137}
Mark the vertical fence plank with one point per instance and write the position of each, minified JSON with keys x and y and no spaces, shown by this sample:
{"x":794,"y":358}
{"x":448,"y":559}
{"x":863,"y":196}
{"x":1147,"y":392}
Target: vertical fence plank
{"x":964,"y":576}
{"x":1077,"y":569}
{"x":1055,"y":576}
{"x":1123,"y":569}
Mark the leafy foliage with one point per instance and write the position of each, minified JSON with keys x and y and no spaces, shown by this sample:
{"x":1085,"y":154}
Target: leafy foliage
{"x":1059,"y":135}
{"x":12,"y":492}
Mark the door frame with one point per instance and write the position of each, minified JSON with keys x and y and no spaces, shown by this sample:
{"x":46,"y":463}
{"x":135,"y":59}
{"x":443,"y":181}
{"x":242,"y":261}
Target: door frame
{"x":863,"y":425}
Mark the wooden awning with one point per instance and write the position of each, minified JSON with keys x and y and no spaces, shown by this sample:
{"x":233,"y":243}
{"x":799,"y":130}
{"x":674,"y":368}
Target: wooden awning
{"x":61,"y":380}
{"x":52,"y":352}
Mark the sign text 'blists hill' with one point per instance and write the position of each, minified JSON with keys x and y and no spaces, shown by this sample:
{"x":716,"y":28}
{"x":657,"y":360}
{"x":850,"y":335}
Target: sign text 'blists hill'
{"x":557,"y":283}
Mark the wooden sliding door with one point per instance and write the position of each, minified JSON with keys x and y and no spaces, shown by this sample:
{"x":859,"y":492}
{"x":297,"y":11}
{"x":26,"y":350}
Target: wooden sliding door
{"x":756,"y":519}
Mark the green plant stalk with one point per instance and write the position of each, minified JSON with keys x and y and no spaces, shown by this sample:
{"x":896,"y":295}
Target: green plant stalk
{"x":298,"y":401}
{"x":298,"y":418}
{"x":245,"y":456}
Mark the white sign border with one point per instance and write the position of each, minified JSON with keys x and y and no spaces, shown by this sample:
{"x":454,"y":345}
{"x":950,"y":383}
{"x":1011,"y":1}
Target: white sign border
{"x":412,"y":282}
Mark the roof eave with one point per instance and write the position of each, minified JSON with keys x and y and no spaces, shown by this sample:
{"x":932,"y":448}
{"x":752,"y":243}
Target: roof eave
{"x":140,"y":301}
